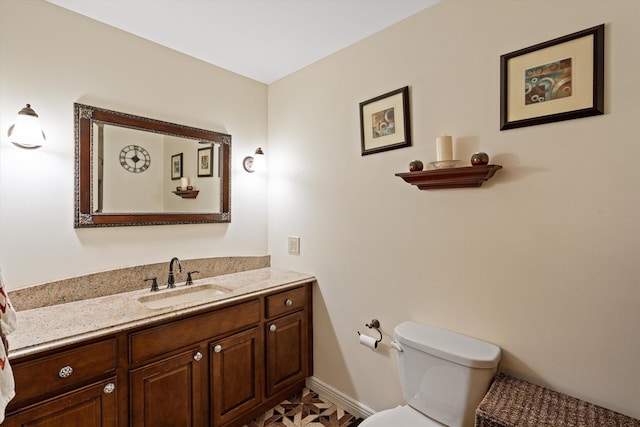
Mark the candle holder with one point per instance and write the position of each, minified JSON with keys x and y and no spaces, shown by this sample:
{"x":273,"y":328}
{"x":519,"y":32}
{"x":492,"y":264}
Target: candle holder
{"x":445,"y":164}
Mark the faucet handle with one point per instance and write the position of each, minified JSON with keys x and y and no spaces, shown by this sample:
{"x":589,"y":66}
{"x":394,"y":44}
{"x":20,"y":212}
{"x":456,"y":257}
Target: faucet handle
{"x":189,"y":278}
{"x":154,"y":284}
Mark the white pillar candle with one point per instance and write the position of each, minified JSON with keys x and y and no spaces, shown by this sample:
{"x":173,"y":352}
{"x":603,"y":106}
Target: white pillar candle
{"x":444,"y":146}
{"x":184,"y":183}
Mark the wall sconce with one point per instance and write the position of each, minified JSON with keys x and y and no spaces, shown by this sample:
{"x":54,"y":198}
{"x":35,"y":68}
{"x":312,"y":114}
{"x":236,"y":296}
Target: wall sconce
{"x":26,"y":132}
{"x":255,"y":163}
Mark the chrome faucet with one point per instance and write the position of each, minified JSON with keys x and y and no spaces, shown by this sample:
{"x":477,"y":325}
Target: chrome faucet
{"x":171,"y":279}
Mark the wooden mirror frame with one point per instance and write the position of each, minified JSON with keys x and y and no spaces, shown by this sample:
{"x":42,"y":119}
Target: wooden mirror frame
{"x":86,"y":115}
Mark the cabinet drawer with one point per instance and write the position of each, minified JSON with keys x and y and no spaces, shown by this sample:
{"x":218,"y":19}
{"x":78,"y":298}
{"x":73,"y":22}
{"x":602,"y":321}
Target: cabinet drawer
{"x":63,"y":370}
{"x":164,"y":339}
{"x":94,"y":405}
{"x":286,"y":302}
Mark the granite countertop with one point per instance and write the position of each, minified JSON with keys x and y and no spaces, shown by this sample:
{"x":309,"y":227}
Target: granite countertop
{"x":54,"y":326}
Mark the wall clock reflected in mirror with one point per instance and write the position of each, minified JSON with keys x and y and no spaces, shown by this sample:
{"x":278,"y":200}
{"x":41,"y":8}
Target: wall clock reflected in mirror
{"x":135,"y":158}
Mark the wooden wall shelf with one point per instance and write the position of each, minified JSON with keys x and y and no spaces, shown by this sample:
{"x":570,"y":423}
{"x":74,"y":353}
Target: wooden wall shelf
{"x":472,"y":176}
{"x":187,"y":194}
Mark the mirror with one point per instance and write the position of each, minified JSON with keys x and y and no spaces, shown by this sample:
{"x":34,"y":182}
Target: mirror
{"x":133,"y":170}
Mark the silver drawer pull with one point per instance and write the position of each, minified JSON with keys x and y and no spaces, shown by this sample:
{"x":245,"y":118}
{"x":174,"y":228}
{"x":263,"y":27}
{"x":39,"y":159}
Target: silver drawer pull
{"x":108,"y":389}
{"x":288,"y":303}
{"x":272,"y":328}
{"x":217,"y":348}
{"x":65,"y":372}
{"x":197,"y":357}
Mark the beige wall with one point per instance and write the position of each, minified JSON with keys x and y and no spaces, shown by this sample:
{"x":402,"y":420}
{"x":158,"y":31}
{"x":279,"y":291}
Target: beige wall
{"x":542,"y":260}
{"x":51,"y":58}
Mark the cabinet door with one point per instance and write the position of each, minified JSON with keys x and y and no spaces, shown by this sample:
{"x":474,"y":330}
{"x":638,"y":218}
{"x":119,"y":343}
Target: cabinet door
{"x":90,"y":406}
{"x":287,"y":343}
{"x":236,"y":375}
{"x":168,"y":393}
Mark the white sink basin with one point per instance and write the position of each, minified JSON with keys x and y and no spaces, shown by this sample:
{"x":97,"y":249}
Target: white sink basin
{"x":163,"y":299}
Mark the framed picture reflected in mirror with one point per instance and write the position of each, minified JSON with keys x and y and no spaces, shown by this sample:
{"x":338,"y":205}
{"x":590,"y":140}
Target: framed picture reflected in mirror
{"x":176,"y":166}
{"x":205,"y":162}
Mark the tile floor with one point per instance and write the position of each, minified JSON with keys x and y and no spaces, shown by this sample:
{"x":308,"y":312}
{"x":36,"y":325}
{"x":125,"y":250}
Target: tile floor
{"x":305,"y":409}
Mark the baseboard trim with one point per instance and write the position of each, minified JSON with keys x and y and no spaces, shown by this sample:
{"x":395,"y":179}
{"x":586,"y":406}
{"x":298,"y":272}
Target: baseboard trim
{"x":350,"y":405}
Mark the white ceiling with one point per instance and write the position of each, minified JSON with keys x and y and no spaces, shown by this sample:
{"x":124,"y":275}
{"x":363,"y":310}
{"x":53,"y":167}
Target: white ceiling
{"x":264,"y":40}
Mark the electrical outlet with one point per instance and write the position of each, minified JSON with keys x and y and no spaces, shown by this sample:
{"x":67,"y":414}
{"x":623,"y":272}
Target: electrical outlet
{"x":294,"y":245}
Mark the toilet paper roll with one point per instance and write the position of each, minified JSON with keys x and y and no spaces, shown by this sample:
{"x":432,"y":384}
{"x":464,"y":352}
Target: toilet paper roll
{"x":368,"y":341}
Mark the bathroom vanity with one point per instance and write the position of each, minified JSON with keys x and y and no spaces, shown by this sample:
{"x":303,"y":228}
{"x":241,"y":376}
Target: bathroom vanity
{"x":131,"y":361}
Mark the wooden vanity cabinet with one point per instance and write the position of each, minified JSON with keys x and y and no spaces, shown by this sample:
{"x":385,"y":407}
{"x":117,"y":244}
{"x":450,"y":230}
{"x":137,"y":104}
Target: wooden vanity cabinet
{"x":287,"y":340}
{"x":236,"y":366}
{"x":169,"y":382}
{"x":216,"y":368}
{"x":75,"y":386}
{"x":168,"y":392}
{"x":90,"y":406}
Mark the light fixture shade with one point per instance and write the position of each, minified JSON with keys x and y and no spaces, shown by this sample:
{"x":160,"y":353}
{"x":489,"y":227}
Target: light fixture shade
{"x":255,"y":163}
{"x":259,"y":161}
{"x":26,"y":132}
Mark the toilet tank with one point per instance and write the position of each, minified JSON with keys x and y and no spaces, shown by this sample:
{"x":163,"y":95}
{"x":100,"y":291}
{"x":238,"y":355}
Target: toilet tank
{"x":443,"y":374}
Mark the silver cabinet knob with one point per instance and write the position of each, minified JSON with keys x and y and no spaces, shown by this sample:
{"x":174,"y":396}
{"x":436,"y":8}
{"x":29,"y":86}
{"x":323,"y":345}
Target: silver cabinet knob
{"x":288,"y":302}
{"x":272,"y":328}
{"x":217,"y":348}
{"x":197,"y":357}
{"x":108,"y":389}
{"x":65,"y":372}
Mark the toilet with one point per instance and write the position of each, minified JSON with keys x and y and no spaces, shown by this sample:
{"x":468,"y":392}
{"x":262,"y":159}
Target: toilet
{"x":443,"y":375}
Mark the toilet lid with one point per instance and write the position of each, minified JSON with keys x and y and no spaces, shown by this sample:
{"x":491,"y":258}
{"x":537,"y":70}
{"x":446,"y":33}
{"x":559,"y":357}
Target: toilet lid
{"x":402,"y":416}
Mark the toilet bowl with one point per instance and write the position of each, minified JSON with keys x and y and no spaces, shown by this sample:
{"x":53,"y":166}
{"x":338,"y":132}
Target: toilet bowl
{"x":401,"y":416}
{"x":444,"y":376}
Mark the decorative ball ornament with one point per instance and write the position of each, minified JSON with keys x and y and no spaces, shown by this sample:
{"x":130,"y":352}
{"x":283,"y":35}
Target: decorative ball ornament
{"x":479,"y":159}
{"x":416,"y":166}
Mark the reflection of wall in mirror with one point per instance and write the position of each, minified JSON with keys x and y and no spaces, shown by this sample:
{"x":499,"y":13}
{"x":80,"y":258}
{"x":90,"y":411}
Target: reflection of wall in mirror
{"x":208,"y":199}
{"x":150,"y":191}
{"x":125,"y":191}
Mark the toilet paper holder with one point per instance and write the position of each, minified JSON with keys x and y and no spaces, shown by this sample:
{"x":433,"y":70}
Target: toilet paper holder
{"x":375,"y":324}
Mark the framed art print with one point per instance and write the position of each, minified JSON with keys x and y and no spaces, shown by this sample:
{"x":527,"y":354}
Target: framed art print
{"x":176,"y":166}
{"x":205,"y":162}
{"x":560,"y":79}
{"x":384,"y":122}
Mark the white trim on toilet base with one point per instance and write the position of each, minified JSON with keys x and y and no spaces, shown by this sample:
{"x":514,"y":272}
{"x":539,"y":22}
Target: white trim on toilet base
{"x":350,"y":405}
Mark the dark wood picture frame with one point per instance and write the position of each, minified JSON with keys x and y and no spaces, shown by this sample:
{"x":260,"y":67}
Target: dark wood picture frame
{"x":385,"y":122}
{"x":176,"y":166}
{"x":545,"y":88}
{"x":205,"y":162}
